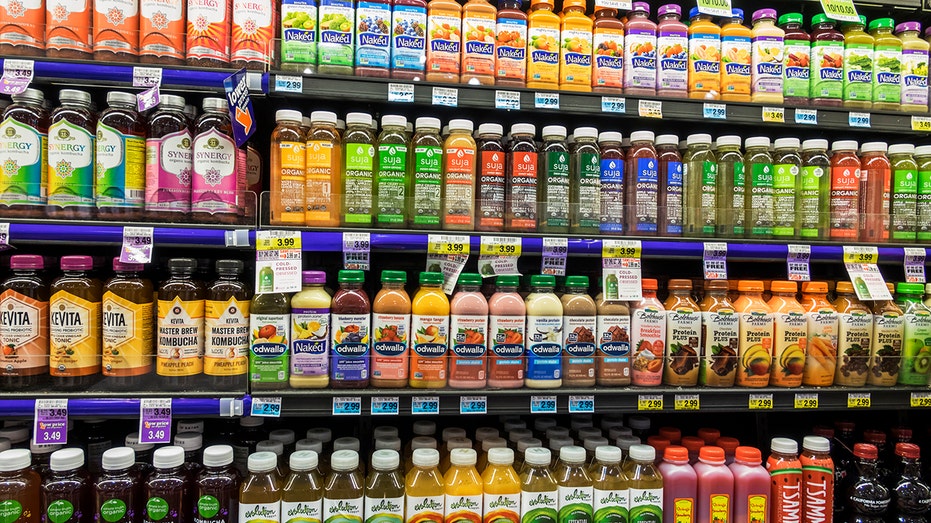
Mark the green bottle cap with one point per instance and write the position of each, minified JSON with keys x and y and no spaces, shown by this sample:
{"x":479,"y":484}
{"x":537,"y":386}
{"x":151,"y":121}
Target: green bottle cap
{"x":910,"y":288}
{"x":542,"y":280}
{"x":577,"y":281}
{"x":470,"y":278}
{"x":508,"y":281}
{"x":882,"y":23}
{"x":431,"y":278}
{"x":821,"y":18}
{"x":394,"y":276}
{"x":791,"y":18}
{"x":351,"y":276}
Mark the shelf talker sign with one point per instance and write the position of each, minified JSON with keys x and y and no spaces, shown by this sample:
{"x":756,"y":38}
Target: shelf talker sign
{"x":448,"y":254}
{"x":240,"y":104}
{"x":861,"y":263}
{"x":620,"y":270}
{"x":277,"y":261}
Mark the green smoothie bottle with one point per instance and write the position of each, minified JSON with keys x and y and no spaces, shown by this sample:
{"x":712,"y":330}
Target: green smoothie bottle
{"x":904,"y":198}
{"x":392,"y":174}
{"x":425,"y":182}
{"x":701,"y":174}
{"x":814,"y":198}
{"x":646,"y":485}
{"x":270,"y":329}
{"x":787,"y":185}
{"x":729,"y":194}
{"x":758,"y":187}
{"x":916,"y":352}
{"x":585,"y":182}
{"x":357,"y":191}
{"x":553,"y":194}
{"x":887,"y":65}
{"x":923,"y":158}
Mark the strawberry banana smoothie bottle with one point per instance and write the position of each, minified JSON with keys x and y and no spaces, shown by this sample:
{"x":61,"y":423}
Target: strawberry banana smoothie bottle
{"x":506,"y":331}
{"x":468,"y":327}
{"x":680,"y":485}
{"x":648,"y":337}
{"x":715,"y":485}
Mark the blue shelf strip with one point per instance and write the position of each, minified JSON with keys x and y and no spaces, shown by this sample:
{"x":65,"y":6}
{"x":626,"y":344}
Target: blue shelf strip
{"x":108,"y":407}
{"x":114,"y":234}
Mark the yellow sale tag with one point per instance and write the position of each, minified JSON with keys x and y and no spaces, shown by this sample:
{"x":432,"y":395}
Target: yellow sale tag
{"x":447,"y":244}
{"x":650,"y":402}
{"x":806,"y":401}
{"x":921,"y":123}
{"x":621,"y":248}
{"x":500,"y":246}
{"x":687,"y":402}
{"x":761,"y":402}
{"x":774,"y":114}
{"x":858,"y":400}
{"x":276,"y":240}
{"x":921,"y":400}
{"x":860,"y":254}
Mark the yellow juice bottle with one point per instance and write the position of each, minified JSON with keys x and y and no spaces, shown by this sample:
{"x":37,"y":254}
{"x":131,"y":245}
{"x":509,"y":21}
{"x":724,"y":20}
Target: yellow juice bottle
{"x":542,"y":46}
{"x":430,"y":328}
{"x":575,"y":48}
{"x":502,"y":488}
{"x":425,"y":489}
{"x":464,"y":488}
{"x":478,"y":49}
{"x":735,"y":59}
{"x":459,"y":177}
{"x":766,"y":58}
{"x":704,"y":57}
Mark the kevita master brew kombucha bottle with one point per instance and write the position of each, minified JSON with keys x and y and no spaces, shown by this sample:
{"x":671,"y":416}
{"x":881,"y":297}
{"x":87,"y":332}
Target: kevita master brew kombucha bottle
{"x":226,"y":328}
{"x":180,"y":327}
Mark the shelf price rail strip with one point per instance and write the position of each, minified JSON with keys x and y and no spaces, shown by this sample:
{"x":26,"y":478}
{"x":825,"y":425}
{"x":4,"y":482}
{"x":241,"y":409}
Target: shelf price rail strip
{"x":127,"y":407}
{"x":193,"y":236}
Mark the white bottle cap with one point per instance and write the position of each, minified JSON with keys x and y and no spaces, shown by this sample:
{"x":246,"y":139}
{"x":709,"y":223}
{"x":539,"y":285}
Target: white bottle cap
{"x":524,"y":128}
{"x":66,"y":459}
{"x":189,"y":441}
{"x":427,"y":122}
{"x":538,"y":456}
{"x":306,"y":121}
{"x":132,"y":441}
{"x":118,"y":458}
{"x":423,"y":442}
{"x":559,"y":131}
{"x":303,"y":460}
{"x":309,"y":444}
{"x":460,"y":124}
{"x":642,"y":136}
{"x":190,"y":426}
{"x":667,"y":139}
{"x":251,"y":421}
{"x":359,"y":119}
{"x":453,"y":432}
{"x":462,"y":456}
{"x":285,"y":436}
{"x":344,"y":460}
{"x":426,"y":458}
{"x":844,"y":145}
{"x":275,"y":447}
{"x":15,"y":459}
{"x":491,"y":128}
{"x":816,"y":444}
{"x":757,"y":141}
{"x":323,"y":117}
{"x":459,"y":443}
{"x":528,"y":443}
{"x":784,"y":445}
{"x":541,"y":424}
{"x":501,"y":456}
{"x":642,"y":453}
{"x":557,"y":443}
{"x":424,"y":428}
{"x":572,"y":454}
{"x":608,"y":454}
{"x":494,"y":443}
{"x":557,"y":432}
{"x":393,"y":120}
{"x":693,"y":139}
{"x":218,"y":456}
{"x":609,"y":136}
{"x":385,"y":459}
{"x":585,"y":132}
{"x":262,"y":462}
{"x":388,"y":442}
{"x":786,"y":143}
{"x":873,"y":147}
{"x":287,"y":115}
{"x":5,"y":444}
{"x":923,"y":150}
{"x":384,"y":431}
{"x":168,"y":457}
{"x":592,"y":443}
{"x":815,"y":144}
{"x":483,"y":433}
{"x":588,"y":432}
{"x":902,"y":148}
{"x":320,"y":434}
{"x":729,"y":140}
{"x":518,"y":434}
{"x":347,"y":444}
{"x":15,"y":434}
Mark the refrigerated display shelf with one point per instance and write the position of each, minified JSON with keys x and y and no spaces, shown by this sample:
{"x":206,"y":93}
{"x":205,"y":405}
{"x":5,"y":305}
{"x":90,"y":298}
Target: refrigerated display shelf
{"x":111,"y":233}
{"x":114,"y":404}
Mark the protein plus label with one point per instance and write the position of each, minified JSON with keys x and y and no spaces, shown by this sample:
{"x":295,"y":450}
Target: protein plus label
{"x":70,"y":165}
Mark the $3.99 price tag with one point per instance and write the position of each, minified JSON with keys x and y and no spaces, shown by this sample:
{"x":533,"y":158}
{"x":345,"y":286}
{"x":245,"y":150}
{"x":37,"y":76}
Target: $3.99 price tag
{"x":498,"y":256}
{"x":155,"y":420}
{"x":447,"y":254}
{"x":555,"y":252}
{"x":915,"y":264}
{"x":620,"y":270}
{"x":714,"y":260}
{"x":861,"y":264}
{"x":277,"y":261}
{"x":357,"y":250}
{"x":799,"y":262}
{"x":51,"y":422}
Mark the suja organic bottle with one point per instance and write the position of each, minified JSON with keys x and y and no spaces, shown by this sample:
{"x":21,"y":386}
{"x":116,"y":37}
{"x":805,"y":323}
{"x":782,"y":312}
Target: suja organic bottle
{"x":426,"y":181}
{"x":522,"y":180}
{"x":553,"y":194}
{"x":392,"y":173}
{"x":323,"y":155}
{"x":492,"y":180}
{"x":288,"y":164}
{"x":585,"y":182}
{"x":459,"y":177}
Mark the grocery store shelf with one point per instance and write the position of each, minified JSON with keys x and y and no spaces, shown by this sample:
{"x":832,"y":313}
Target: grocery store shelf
{"x":89,"y":232}
{"x":110,"y":405}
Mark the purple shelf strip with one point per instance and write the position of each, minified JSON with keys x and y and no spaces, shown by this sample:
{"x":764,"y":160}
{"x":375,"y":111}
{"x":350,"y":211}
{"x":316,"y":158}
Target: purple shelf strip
{"x":114,"y":234}
{"x":118,"y":407}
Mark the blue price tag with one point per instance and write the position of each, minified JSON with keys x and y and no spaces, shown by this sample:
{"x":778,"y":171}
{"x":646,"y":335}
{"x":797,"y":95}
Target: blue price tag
{"x":266,"y":407}
{"x":613,"y":104}
{"x":289,"y":84}
{"x":714,"y":111}
{"x":546,"y":100}
{"x":859,"y":120}
{"x":543,"y":404}
{"x":473,"y":405}
{"x":403,"y":93}
{"x":385,"y":406}
{"x":507,"y":100}
{"x":351,"y":406}
{"x":425,"y":405}
{"x":806,"y":116}
{"x":581,"y":404}
{"x":448,"y":96}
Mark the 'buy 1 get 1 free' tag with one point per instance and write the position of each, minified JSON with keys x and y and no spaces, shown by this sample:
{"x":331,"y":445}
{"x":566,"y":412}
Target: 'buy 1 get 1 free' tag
{"x":555,"y":252}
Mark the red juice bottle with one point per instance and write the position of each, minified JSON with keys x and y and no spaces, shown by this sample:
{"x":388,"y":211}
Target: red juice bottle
{"x":751,"y":485}
{"x":642,"y":191}
{"x":511,"y":44}
{"x":785,"y":471}
{"x":351,"y":318}
{"x":845,"y":190}
{"x":875,"y":186}
{"x":680,"y":485}
{"x":715,"y":485}
{"x":817,"y":480}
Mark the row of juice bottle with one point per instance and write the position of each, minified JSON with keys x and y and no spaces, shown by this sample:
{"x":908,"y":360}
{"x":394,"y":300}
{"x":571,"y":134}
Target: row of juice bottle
{"x":544,"y":340}
{"x":165,"y":164}
{"x":593,"y":182}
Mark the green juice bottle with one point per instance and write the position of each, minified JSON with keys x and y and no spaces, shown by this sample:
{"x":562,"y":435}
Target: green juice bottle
{"x":646,"y":485}
{"x":787,"y":165}
{"x":575,"y":486}
{"x":729,"y":194}
{"x":538,"y":490}
{"x":585,"y":182}
{"x":916,"y":351}
{"x":358,"y":171}
{"x":701,"y":173}
{"x":392,"y":174}
{"x":553,"y":194}
{"x":814,"y":198}
{"x":270,"y":329}
{"x":758,"y":188}
{"x":426,"y":167}
{"x":923,"y":225}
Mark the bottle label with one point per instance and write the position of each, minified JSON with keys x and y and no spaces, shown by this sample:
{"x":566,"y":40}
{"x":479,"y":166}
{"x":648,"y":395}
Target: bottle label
{"x":292,"y":158}
{"x":127,"y":336}
{"x":887,"y":77}
{"x":116,"y":26}
{"x":757,"y":508}
{"x":539,"y":507}
{"x":391,"y":340}
{"x":707,"y":215}
{"x":646,"y":176}
{"x":310,"y":355}
{"x":23,"y":154}
{"x":68,"y":27}
{"x":409,"y":42}
{"x":24,"y":334}
{"x":704,"y":70}
{"x":608,"y":45}
{"x":611,"y":505}
{"x":208,"y":510}
{"x":761,"y":199}
{"x":268,"y":349}
{"x":162,"y":27}
{"x":810,"y":202}
{"x":845,"y":186}
{"x":544,"y":55}
{"x":350,"y":346}
{"x":858,"y":70}
{"x":575,"y":65}
{"x":767,"y":64}
{"x":915,"y":355}
{"x":74,"y":335}
{"x":756,"y":349}
{"x":491,"y":189}
{"x":252,"y":31}
{"x":904,"y":205}
{"x":821,"y":348}
{"x":673,"y":66}
{"x":612,"y":195}
{"x":613,"y":346}
{"x":511,"y":48}
{"x":827,"y":69}
{"x":208,"y":29}
{"x":544,"y":348}
{"x":506,"y":359}
{"x":444,"y":36}
{"x":58,"y":511}
{"x":384,"y":510}
{"x":259,"y":512}
{"x":392,"y":183}
{"x":226,"y":344}
{"x":648,"y":340}
{"x":854,"y":341}
{"x":575,"y":504}
{"x":180,"y":337}
{"x":784,"y":212}
{"x":428,"y":179}
{"x":796,"y":66}
{"x":720,"y":343}
{"x":886,"y":354}
{"x":646,"y":505}
{"x":337,"y":33}
{"x":720,"y":507}
{"x":684,"y":510}
{"x":425,"y":509}
{"x":502,"y":508}
{"x":588,"y":169}
{"x":318,"y":188}
{"x":791,"y":330}
{"x":70,"y":165}
{"x":914,"y":81}
{"x":556,"y":199}
{"x":302,"y":511}
{"x":120,"y":169}
{"x":640,"y":58}
{"x":462,"y":509}
{"x":467,"y":352}
{"x":674,"y":182}
{"x":579,"y":346}
{"x":373,"y":43}
{"x":478,"y":57}
{"x":739,"y":202}
{"x":736,"y":66}
{"x":158,"y":509}
{"x":460,"y":185}
{"x":522,"y":200}
{"x":683,"y":338}
{"x":299,"y":31}
{"x":111,"y":510}
{"x":787,"y":493}
{"x":431,"y":335}
{"x":214,"y":187}
{"x":169,"y":161}
{"x":357,"y":190}
{"x":924,"y":205}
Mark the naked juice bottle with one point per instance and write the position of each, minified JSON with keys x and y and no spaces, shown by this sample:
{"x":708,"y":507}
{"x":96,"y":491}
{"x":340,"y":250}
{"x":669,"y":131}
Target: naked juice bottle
{"x":640,"y":52}
{"x":768,"y":43}
{"x":736,"y":50}
{"x":444,"y":28}
{"x":478,"y":49}
{"x":430,"y":333}
{"x":575,"y":56}
{"x":511,"y":44}
{"x":408,"y":39}
{"x":755,"y":356}
{"x":827,"y":62}
{"x":468,"y":339}
{"x":858,"y":65}
{"x":914,"y":82}
{"x":544,"y":322}
{"x":648,"y":337}
{"x":310,"y":325}
{"x":543,"y":46}
{"x":506,"y":332}
{"x":887,"y":59}
{"x":391,"y":331}
{"x":459,"y":177}
{"x":791,"y":335}
{"x":608,"y":52}
{"x":796,"y":62}
{"x":704,"y":57}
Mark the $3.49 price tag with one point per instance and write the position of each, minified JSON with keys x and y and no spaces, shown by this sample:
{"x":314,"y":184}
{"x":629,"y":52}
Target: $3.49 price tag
{"x":155,"y":420}
{"x":150,"y":77}
{"x":620,"y":270}
{"x":498,"y":256}
{"x":17,"y":75}
{"x":861,"y":263}
{"x":357,"y":248}
{"x":277,"y":261}
{"x":555,"y":252}
{"x":51,"y":422}
{"x":714,"y":260}
{"x":915,"y":264}
{"x":774,"y":114}
{"x":137,"y":245}
{"x":799,"y":262}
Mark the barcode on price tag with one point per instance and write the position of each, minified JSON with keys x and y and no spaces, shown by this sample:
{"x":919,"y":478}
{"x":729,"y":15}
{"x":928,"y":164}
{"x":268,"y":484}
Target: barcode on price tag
{"x":266,"y":407}
{"x":137,"y":245}
{"x":555,"y":253}
{"x":155,"y":420}
{"x":51,"y":422}
{"x":915,"y":264}
{"x":714,"y":260}
{"x":687,"y":402}
{"x":357,"y":250}
{"x":347,"y":406}
{"x":799,"y":262}
{"x":581,"y":404}
{"x":543,"y":404}
{"x":385,"y":405}
{"x":425,"y":405}
{"x":473,"y":405}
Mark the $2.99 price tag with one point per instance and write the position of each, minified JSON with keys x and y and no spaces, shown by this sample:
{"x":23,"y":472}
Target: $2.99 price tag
{"x":473,"y":405}
{"x":920,"y":400}
{"x":760,"y":402}
{"x":543,"y":404}
{"x":155,"y":420}
{"x":425,"y":405}
{"x":51,"y":422}
{"x":650,"y":402}
{"x":266,"y":407}
{"x":687,"y":402}
{"x":581,"y":404}
{"x":347,"y":406}
{"x":806,"y":401}
{"x":858,"y":400}
{"x":385,"y":406}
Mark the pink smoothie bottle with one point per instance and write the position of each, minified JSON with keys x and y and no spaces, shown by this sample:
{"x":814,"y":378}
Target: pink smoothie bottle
{"x":672,"y":49}
{"x":506,"y":331}
{"x":751,"y":485}
{"x":715,"y":486}
{"x":468,"y":330}
{"x":680,"y":485}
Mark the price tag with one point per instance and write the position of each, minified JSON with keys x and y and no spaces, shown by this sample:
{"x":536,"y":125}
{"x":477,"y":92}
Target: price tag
{"x":347,"y":406}
{"x":4,"y":236}
{"x":650,"y":402}
{"x":921,"y":123}
{"x":277,"y":261}
{"x":806,"y":400}
{"x":714,"y":111}
{"x":774,"y":114}
{"x":620,"y":270}
{"x":621,"y":5}
{"x":687,"y":402}
{"x":17,"y":75}
{"x":385,"y":406}
{"x":498,"y":256}
{"x":861,"y":264}
{"x":357,"y":248}
{"x":155,"y":420}
{"x":613,"y":104}
{"x":403,"y":93}
{"x":858,"y":400}
{"x":151,"y":78}
{"x":473,"y":405}
{"x":507,"y":100}
{"x":543,"y":404}
{"x":289,"y":84}
{"x":714,"y":260}
{"x":842,"y":10}
{"x":446,"y":96}
{"x":715,"y":7}
{"x":447,"y":254}
{"x":806,"y":116}
{"x":266,"y":407}
{"x":51,"y":422}
{"x":447,"y":244}
{"x":555,"y":253}
{"x":920,"y":400}
{"x":915,"y":264}
{"x":425,"y":405}
{"x":581,"y":404}
{"x":799,"y":262}
{"x":137,"y":245}
{"x":858,"y":120}
{"x":650,"y":109}
{"x":761,"y":402}
{"x":546,"y":100}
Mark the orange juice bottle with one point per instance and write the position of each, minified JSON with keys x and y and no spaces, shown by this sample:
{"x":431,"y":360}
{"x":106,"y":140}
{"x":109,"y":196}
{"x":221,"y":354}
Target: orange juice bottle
{"x":823,"y":329}
{"x":424,"y":488}
{"x":288,"y":160}
{"x":791,"y":335}
{"x":478,"y":49}
{"x":502,"y":488}
{"x":755,"y":352}
{"x":464,"y":488}
{"x":444,"y":28}
{"x":430,"y":328}
{"x":704,"y":57}
{"x":542,"y":46}
{"x":459,"y":177}
{"x":575,"y":50}
{"x":735,"y":59}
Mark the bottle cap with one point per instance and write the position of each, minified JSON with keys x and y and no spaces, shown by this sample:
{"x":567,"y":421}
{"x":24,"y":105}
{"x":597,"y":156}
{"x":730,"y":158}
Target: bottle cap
{"x":251,"y":421}
{"x":817,"y":144}
{"x":647,"y":284}
{"x":132,"y":441}
{"x":787,"y":143}
{"x":844,"y":145}
{"x":168,"y":457}
{"x":262,"y":462}
{"x":554,"y":130}
{"x":303,"y":460}
{"x":729,"y":140}
{"x":641,"y":7}
{"x":728,"y":444}
{"x":815,"y":287}
{"x":483,"y":433}
{"x":557,"y":443}
{"x":585,"y":132}
{"x":344,"y":460}
{"x":388,"y":442}
{"x":693,"y":12}
{"x":518,"y":434}
{"x":642,"y":453}
{"x":923,"y":150}
{"x":75,"y":96}
{"x":491,"y":128}
{"x":393,"y":120}
{"x":784,"y":446}
{"x":66,"y":459}
{"x":874,"y":436}
{"x":884,"y":23}
{"x":761,"y":14}
{"x":642,"y":136}
{"x":750,"y":286}
{"x":471,"y":278}
{"x":873,"y":147}
{"x":757,"y":141}
{"x":359,"y":119}
{"x":423,"y":442}
{"x":557,"y":432}
{"x":118,"y":458}
{"x":384,"y":431}
{"x":669,"y":9}
{"x":15,"y":459}
{"x":347,"y":443}
{"x":676,"y":454}
{"x":309,"y":444}
{"x":424,"y":427}
{"x":608,"y":454}
{"x":713,"y":455}
{"x":26,"y":261}
{"x":209,"y":104}
{"x":285,"y":436}
{"x":345,"y":276}
{"x":541,"y":424}
{"x":783,"y":286}
{"x":427,"y":122}
{"x":700,"y":138}
{"x":824,"y":432}
{"x":77,"y":263}
{"x":679,"y":285}
{"x":821,"y":18}
{"x":748,"y":455}
{"x":672,"y":433}
{"x":385,"y":459}
{"x":910,"y":288}
{"x":503,"y":456}
{"x":577,"y":281}
{"x":43,"y":448}
{"x":182,"y":265}
{"x":860,"y":450}
{"x":218,"y":456}
{"x":426,"y":457}
{"x":458,"y":443}
{"x":528,"y":443}
{"x":462,"y":456}
{"x":816,"y":444}
{"x":907,"y":26}
{"x":431,"y":278}
{"x":275,"y":447}
{"x":493,"y":443}
{"x":309,"y":277}
{"x":791,"y":18}
{"x":189,"y":441}
{"x":904,"y":450}
{"x":453,"y":432}
{"x":323,"y":117}
{"x":659,"y":443}
{"x":667,"y":139}
{"x":572,"y":454}
{"x":694,"y":444}
{"x":460,"y":124}
{"x":609,"y":136}
{"x":116,"y":97}
{"x":901,"y":434}
{"x":592,"y":443}
{"x":288,"y":115}
{"x":901,"y":148}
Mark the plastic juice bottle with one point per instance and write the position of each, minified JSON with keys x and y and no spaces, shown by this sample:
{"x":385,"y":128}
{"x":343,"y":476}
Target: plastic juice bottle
{"x":729,"y":191}
{"x":166,"y":489}
{"x":648,"y":337}
{"x":71,"y":143}
{"x":796,"y":64}
{"x":585,"y":182}
{"x":302,"y":490}
{"x":578,"y":329}
{"x":344,"y":488}
{"x":74,"y":326}
{"x":501,"y":488}
{"x":612,"y":362}
{"x":575,"y":56}
{"x":814,"y":196}
{"x":463,"y":487}
{"x":611,"y":487}
{"x":459,"y":176}
{"x":120,"y":157}
{"x":755,"y":356}
{"x":869,"y":498}
{"x":288,"y":159}
{"x":221,"y":202}
{"x":468,"y":327}
{"x":253,"y":27}
{"x":430,"y":333}
{"x":672,"y":61}
{"x":715,"y":485}
{"x":751,"y":501}
{"x":270,"y":327}
{"x":66,"y":487}
{"x":408,"y":39}
{"x":845,"y":190}
{"x":680,"y":484}
{"x":373,"y":40}
{"x":736,"y":51}
{"x":444,"y":28}
{"x":426,"y":174}
{"x":827,"y":62}
{"x":337,"y":34}
{"x":854,"y":337}
{"x":162,"y":32}
{"x":544,"y":321}
{"x":821,"y":362}
{"x":670,"y":197}
{"x":67,"y":31}
{"x":817,"y":479}
{"x":785,"y":471}
{"x":539,"y":491}
{"x":791,"y":335}
{"x":875,"y":186}
{"x":299,"y":36}
{"x":608,"y":49}
{"x":923,"y":159}
{"x":22,"y":487}
{"x":768,"y":43}
{"x":25,"y":295}
{"x":226,"y":324}
{"x":575,"y":490}
{"x":700,"y":180}
{"x":323,"y":166}
{"x":522,"y":165}
{"x":384,"y":489}
{"x":392,"y":175}
{"x":208,"y":44}
{"x":759,"y":188}
{"x":704,"y":57}
{"x":911,"y":491}
{"x":787,"y":184}
{"x":117,"y":491}
{"x":642,"y":175}
{"x":506,"y":333}
{"x":640,"y":51}
{"x":478,"y":49}
{"x":720,"y":337}
{"x":612,"y":182}
{"x":169,"y":160}
{"x":425,"y":488}
{"x":391,"y":331}
{"x":216,"y":486}
{"x":693,"y":444}
{"x":490,"y":197}
{"x":350,"y":321}
{"x":359,"y":170}
{"x":310,"y":340}
{"x":683,"y":335}
{"x":25,"y":134}
{"x":887,"y":60}
{"x":858,"y":65}
{"x":543,"y":46}
{"x":116,"y":37}
{"x":914,"y":82}
{"x":904,"y":197}
{"x":553,"y":194}
{"x":915,"y":357}
{"x":646,"y":484}
{"x":511,"y":44}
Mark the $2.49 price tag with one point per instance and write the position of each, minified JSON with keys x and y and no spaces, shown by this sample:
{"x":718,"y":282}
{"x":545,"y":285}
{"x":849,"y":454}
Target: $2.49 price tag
{"x":155,"y":420}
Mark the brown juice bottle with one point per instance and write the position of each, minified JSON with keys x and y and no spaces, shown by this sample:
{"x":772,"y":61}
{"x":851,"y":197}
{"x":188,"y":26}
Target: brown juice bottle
{"x":226,"y":336}
{"x":128,"y":325}
{"x":71,"y":143}
{"x":854,"y":337}
{"x":671,"y":187}
{"x":683,"y":335}
{"x":522,"y":180}
{"x":579,"y":324}
{"x":23,"y":134}
{"x":720,"y":337}
{"x":180,"y":328}
{"x":216,"y":487}
{"x":116,"y":492}
{"x":66,"y":491}
{"x":612,"y":182}
{"x":20,"y":487}
{"x":642,"y":185}
{"x":490,"y":194}
{"x":120,"y":176}
{"x":612,"y":361}
{"x":164,"y":499}
{"x":169,"y":161}
{"x":260,"y":493}
{"x":74,"y":325}
{"x":218,"y":179}
{"x":24,"y":325}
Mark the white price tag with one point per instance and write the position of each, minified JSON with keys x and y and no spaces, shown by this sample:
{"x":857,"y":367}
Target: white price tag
{"x":347,"y":406}
{"x":473,"y":405}
{"x":151,"y":79}
{"x":17,"y":75}
{"x":915,"y":264}
{"x":546,"y":100}
{"x":4,"y":236}
{"x":498,"y":256}
{"x":357,"y":248}
{"x":858,"y":120}
{"x":385,"y":406}
{"x":137,"y":245}
{"x":714,"y":260}
{"x":620,"y":270}
{"x":613,"y":104}
{"x":403,"y":93}
{"x":507,"y":100}
{"x":446,"y":96}
{"x":806,"y":116}
{"x":861,"y":263}
{"x":555,"y":252}
{"x":425,"y":405}
{"x":289,"y":84}
{"x":620,"y":5}
{"x":447,"y":254}
{"x":799,"y":262}
{"x":714,"y":111}
{"x":650,"y":109}
{"x":266,"y":407}
{"x":581,"y":404}
{"x":543,"y":404}
{"x":277,"y":261}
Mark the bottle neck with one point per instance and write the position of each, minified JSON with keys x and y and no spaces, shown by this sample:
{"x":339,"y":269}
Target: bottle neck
{"x":350,"y":285}
{"x":392,"y":285}
{"x":469,"y":288}
{"x":75,"y":273}
{"x":911,"y":468}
